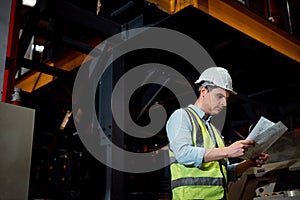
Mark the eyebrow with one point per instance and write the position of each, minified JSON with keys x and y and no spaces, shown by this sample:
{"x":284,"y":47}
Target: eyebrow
{"x":220,"y":94}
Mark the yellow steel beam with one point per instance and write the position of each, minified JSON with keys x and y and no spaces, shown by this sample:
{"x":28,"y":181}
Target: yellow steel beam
{"x":68,"y":61}
{"x":241,"y":18}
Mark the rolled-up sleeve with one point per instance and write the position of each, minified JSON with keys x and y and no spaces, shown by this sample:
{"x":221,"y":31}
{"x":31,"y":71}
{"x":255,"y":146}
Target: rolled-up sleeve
{"x":179,"y":130}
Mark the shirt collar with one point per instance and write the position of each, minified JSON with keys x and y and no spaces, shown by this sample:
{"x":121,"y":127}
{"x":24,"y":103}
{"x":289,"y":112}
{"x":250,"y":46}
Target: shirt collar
{"x":200,"y":113}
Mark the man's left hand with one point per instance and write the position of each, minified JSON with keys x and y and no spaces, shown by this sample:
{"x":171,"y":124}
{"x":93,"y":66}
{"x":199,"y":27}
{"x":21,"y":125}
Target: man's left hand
{"x":260,"y":160}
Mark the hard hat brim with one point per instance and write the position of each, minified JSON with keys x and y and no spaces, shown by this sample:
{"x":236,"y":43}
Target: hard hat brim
{"x":198,"y":83}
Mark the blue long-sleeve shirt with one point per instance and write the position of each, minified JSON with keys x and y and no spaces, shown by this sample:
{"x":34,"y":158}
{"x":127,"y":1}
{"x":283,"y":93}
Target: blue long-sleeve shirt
{"x":179,"y":129}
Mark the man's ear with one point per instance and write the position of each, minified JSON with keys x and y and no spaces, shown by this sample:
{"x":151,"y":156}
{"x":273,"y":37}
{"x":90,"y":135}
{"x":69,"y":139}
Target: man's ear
{"x":203,"y":89}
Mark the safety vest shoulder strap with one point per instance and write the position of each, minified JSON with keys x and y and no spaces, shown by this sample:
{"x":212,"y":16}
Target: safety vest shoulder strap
{"x":216,"y":133}
{"x":196,"y":131}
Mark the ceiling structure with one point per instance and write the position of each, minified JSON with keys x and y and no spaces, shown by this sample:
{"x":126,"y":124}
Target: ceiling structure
{"x":68,"y":38}
{"x":266,"y":78}
{"x":69,"y":30}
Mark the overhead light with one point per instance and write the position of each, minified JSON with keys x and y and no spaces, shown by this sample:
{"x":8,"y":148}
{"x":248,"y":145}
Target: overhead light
{"x":29,"y":3}
{"x":38,"y":48}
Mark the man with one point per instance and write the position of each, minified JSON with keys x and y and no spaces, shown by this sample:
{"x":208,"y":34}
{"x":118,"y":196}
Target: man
{"x":201,"y":169}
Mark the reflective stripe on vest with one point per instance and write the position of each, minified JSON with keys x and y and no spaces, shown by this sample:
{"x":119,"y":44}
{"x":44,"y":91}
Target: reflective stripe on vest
{"x":206,"y":182}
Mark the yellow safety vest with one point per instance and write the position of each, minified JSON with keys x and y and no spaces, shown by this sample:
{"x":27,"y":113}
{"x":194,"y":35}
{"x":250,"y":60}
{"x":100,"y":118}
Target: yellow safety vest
{"x":207,"y":181}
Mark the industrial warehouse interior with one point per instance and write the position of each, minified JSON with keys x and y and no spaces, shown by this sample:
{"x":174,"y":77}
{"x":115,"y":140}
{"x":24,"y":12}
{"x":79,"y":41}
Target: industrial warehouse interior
{"x":45,"y":45}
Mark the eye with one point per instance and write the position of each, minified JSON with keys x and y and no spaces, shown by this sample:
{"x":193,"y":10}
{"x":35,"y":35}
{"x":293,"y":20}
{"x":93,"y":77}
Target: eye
{"x":220,"y":96}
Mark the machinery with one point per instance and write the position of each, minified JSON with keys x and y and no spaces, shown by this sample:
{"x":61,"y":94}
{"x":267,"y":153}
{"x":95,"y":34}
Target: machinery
{"x":277,"y":179}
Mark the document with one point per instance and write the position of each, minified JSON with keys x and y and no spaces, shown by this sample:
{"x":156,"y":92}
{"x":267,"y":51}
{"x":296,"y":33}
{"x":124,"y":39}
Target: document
{"x":265,"y":133}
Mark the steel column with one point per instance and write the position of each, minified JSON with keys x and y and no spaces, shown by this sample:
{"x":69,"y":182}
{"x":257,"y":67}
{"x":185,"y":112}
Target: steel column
{"x":4,"y":29}
{"x":11,"y":29}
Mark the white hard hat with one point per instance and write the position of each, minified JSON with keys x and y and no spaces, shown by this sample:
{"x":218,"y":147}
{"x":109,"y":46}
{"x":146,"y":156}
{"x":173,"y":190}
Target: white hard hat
{"x":217,"y":76}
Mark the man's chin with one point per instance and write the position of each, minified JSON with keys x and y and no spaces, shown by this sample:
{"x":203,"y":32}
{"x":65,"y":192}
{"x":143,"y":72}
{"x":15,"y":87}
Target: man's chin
{"x":217,"y":111}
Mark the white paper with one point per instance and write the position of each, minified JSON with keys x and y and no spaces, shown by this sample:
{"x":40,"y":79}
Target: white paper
{"x":265,"y":133}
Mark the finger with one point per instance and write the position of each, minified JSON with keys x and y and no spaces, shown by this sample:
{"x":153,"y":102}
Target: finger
{"x":248,"y":145}
{"x":259,"y":161}
{"x":248,"y":142}
{"x":264,"y":156}
{"x":260,"y":157}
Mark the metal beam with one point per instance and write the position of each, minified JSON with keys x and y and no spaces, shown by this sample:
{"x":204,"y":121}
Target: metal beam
{"x":4,"y":29}
{"x":86,"y":18}
{"x":40,"y":67}
{"x":248,"y":22}
{"x":74,"y":44}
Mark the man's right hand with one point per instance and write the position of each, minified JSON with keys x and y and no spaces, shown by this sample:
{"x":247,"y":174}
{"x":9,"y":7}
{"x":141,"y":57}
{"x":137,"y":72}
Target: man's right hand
{"x":238,"y":148}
